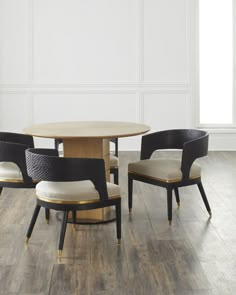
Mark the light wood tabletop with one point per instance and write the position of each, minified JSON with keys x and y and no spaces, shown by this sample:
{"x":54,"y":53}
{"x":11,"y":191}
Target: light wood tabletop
{"x":87,"y":129}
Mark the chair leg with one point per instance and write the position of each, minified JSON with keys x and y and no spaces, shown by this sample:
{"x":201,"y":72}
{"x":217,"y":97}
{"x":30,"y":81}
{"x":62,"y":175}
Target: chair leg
{"x":47,"y":215}
{"x":116,"y":176}
{"x":32,"y":223}
{"x":204,"y":197}
{"x":62,"y":235}
{"x":169,"y":204}
{"x":0,"y":190}
{"x":74,"y":220}
{"x":118,"y":220}
{"x":177,"y":196}
{"x":130,"y":193}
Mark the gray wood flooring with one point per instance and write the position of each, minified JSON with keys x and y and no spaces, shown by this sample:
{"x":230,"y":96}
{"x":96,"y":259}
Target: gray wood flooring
{"x":195,"y":256}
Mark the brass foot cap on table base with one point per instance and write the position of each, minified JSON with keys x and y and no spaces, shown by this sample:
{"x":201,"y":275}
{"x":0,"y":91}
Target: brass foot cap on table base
{"x":119,"y":241}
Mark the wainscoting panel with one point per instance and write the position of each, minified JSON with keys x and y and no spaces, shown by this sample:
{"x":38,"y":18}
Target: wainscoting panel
{"x":121,"y":60}
{"x":85,"y":106}
{"x":15,"y":111}
{"x":166,"y":110}
{"x":165,"y":42}
{"x":77,"y":41}
{"x":14,"y":54}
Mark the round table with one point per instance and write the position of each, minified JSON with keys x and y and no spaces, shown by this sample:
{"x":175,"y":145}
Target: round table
{"x":88,"y":139}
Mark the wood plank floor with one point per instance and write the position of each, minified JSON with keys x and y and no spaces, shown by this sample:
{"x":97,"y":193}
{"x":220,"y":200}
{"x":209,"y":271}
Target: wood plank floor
{"x":195,"y":256}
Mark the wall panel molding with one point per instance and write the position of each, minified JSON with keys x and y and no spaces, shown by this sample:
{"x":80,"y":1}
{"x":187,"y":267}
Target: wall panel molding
{"x":106,"y":85}
{"x":167,"y":33}
{"x":90,"y":45}
{"x":14,"y":42}
{"x":30,"y":40}
{"x":141,"y":86}
{"x":103,"y":94}
{"x":139,"y":82}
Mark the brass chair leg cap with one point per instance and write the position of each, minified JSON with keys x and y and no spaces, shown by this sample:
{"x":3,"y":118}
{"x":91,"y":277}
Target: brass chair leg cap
{"x":210,"y":213}
{"x":27,"y":240}
{"x":59,"y":254}
{"x":178,"y":203}
{"x":130,"y":210}
{"x":47,"y":220}
{"x":119,"y":241}
{"x":74,"y":226}
{"x":170,"y":222}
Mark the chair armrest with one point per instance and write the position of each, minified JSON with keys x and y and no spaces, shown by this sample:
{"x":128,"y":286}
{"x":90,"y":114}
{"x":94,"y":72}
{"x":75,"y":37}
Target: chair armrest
{"x":86,"y":169}
{"x":193,"y":150}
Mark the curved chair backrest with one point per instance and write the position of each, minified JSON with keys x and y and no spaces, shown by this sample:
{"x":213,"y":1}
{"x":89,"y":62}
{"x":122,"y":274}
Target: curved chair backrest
{"x":45,"y":164}
{"x":12,"y":149}
{"x":17,"y":138}
{"x":193,"y":143}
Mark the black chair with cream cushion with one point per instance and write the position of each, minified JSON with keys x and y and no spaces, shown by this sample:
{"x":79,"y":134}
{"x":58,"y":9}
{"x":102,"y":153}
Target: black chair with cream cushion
{"x":70,"y":184}
{"x":13,"y":172}
{"x":114,"y":160}
{"x":167,"y":172}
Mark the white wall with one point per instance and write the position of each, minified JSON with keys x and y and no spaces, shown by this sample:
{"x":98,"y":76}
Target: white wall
{"x":125,"y":60}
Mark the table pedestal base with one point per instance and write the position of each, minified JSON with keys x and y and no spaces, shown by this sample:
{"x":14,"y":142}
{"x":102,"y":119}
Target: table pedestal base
{"x":108,"y":216}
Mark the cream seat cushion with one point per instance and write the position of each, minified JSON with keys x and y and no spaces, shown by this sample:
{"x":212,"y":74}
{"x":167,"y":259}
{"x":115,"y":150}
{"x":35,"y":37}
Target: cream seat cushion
{"x":10,"y":172}
{"x":114,"y":161}
{"x":72,"y":192}
{"x":166,"y":170}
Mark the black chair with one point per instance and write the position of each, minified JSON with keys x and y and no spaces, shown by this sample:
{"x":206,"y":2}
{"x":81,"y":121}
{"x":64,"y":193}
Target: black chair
{"x":167,"y":172}
{"x":13,"y":172}
{"x":114,"y":160}
{"x":70,"y":184}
